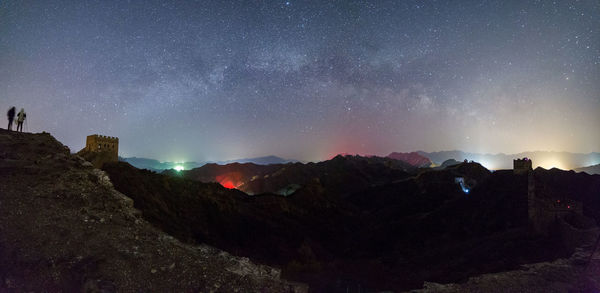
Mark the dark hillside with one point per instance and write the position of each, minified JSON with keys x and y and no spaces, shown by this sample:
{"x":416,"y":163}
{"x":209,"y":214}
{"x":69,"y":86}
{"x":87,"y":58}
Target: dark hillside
{"x":357,"y":223}
{"x":64,"y":228}
{"x":339,"y":175}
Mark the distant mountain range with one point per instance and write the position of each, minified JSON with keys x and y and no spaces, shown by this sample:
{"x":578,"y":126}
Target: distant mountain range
{"x":267,"y":160}
{"x":545,"y":159}
{"x":413,"y":158}
{"x":595,"y":169}
{"x":561,"y":160}
{"x":284,"y":179}
{"x":158,"y":166}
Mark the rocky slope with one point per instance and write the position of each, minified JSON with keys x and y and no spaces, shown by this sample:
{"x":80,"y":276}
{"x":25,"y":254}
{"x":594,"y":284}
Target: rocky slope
{"x":578,"y":273}
{"x":64,"y":228}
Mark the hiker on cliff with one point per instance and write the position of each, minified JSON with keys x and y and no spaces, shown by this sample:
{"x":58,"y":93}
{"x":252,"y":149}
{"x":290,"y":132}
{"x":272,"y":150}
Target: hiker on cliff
{"x":20,"y":119}
{"x":11,"y":116}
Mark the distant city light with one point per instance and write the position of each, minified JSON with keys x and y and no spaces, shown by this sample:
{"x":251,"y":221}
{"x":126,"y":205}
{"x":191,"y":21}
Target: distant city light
{"x":179,"y":168}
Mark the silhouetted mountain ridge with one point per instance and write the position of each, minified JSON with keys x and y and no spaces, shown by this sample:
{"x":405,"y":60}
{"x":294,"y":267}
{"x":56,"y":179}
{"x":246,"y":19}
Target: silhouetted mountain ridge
{"x":158,"y":166}
{"x":372,"y":222}
{"x":413,"y":158}
{"x":341,"y":172}
{"x":547,"y":159}
{"x":595,"y":169}
{"x":266,"y":160}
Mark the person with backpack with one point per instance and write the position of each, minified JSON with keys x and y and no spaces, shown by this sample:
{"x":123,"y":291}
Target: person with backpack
{"x":20,"y":119}
{"x":11,"y":117}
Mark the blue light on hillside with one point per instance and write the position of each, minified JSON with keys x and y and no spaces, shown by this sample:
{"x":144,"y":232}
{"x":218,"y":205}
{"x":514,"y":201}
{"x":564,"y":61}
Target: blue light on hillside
{"x":461,"y":181}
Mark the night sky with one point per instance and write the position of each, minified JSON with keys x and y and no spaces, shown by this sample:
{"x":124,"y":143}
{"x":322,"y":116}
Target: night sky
{"x":217,"y":80}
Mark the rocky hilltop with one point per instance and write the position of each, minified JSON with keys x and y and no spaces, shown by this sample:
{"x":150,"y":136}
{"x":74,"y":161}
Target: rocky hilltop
{"x":64,"y":228}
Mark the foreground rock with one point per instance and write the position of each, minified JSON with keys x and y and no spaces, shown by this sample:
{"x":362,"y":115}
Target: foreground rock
{"x":578,"y":273}
{"x":63,"y":227}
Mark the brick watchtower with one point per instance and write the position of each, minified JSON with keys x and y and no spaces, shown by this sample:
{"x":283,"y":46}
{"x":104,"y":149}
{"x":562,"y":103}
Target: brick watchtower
{"x":522,"y":166}
{"x":103,"y":144}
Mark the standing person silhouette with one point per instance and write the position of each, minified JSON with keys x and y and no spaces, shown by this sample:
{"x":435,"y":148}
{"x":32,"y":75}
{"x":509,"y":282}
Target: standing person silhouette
{"x":20,"y":119}
{"x":11,"y":116}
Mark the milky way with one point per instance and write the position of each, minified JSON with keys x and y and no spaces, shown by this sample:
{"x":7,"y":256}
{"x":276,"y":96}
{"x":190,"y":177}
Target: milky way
{"x":216,"y":80}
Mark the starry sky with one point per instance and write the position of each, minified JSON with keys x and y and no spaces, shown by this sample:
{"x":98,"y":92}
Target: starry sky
{"x":218,"y":80}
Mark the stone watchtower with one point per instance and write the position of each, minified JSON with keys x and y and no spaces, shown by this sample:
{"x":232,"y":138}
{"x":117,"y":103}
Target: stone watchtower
{"x":107,"y":145}
{"x":522,"y":166}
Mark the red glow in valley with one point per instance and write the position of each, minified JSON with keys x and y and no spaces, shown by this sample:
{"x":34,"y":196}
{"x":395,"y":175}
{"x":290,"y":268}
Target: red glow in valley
{"x":227,"y":184}
{"x":229,"y":180}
